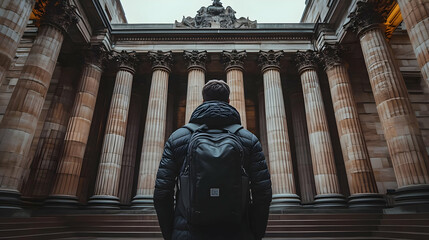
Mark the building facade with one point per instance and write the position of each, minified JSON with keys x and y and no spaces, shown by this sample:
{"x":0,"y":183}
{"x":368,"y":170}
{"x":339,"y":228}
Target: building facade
{"x":339,"y":101}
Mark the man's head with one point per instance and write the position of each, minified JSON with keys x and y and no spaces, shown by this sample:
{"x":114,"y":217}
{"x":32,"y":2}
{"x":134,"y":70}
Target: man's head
{"x":216,"y":90}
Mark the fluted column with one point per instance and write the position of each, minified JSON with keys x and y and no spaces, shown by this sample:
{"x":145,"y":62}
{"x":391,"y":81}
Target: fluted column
{"x":45,"y":161}
{"x":416,"y":17}
{"x":14,"y":16}
{"x":109,"y":168}
{"x":284,"y":193}
{"x":196,"y":80}
{"x":64,"y":192}
{"x":263,"y":124}
{"x":322,"y":154}
{"x":130,"y":149}
{"x":302,"y":146}
{"x":234,"y":66}
{"x":154,"y":134}
{"x":401,"y":130}
{"x":362,"y":184}
{"x":20,"y":120}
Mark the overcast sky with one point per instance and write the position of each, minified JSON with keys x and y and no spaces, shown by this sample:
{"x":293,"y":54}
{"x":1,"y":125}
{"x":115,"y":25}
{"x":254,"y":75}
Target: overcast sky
{"x":166,"y":11}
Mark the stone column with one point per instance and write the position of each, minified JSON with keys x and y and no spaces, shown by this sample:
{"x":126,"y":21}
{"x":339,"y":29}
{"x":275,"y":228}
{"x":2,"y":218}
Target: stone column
{"x":302,"y":146}
{"x":401,"y":130}
{"x":322,"y":154}
{"x":263,"y":124}
{"x":13,"y":20}
{"x":45,"y":160}
{"x":196,"y":80}
{"x":416,"y":17}
{"x":284,"y":193}
{"x":64,"y":192}
{"x":130,"y":148}
{"x":234,"y":66}
{"x":154,"y":134}
{"x":109,"y":168}
{"x":362,"y":184}
{"x":20,"y":120}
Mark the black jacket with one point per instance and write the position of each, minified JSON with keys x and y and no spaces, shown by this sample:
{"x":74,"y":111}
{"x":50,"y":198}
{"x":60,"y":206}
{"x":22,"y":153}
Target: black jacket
{"x":173,"y":225}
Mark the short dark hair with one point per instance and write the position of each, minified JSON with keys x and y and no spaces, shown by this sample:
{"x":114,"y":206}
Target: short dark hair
{"x":216,"y":90}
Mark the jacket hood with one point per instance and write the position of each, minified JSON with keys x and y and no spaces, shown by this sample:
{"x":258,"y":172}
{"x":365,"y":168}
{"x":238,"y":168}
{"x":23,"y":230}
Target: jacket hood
{"x":215,"y":113}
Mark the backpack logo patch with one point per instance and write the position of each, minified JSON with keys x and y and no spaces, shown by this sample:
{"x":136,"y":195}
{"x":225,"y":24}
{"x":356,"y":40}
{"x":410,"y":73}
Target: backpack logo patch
{"x":214,"y":192}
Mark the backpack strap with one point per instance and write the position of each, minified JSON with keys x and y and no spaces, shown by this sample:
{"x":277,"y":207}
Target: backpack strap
{"x":234,"y":128}
{"x":192,"y":127}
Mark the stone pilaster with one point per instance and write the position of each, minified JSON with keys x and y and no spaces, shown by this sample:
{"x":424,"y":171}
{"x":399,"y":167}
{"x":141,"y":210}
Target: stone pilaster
{"x":362,"y":184}
{"x":13,"y":19}
{"x":64,"y":192}
{"x":302,"y":146}
{"x":109,"y":169}
{"x":20,"y":120}
{"x":416,"y":17}
{"x":154,"y":134}
{"x":322,"y":154}
{"x":46,"y":158}
{"x":234,"y":66}
{"x":401,"y":130}
{"x":284,"y":193}
{"x":196,"y":80}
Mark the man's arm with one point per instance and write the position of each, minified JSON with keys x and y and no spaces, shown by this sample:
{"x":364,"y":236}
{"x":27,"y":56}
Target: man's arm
{"x":164,"y":191}
{"x":260,"y":184}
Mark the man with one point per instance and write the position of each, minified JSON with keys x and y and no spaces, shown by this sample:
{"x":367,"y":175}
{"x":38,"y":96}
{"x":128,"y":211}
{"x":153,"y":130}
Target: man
{"x":216,"y":113}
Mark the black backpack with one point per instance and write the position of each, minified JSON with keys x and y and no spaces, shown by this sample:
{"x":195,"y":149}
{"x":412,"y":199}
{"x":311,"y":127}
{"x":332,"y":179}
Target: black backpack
{"x":213,"y":183}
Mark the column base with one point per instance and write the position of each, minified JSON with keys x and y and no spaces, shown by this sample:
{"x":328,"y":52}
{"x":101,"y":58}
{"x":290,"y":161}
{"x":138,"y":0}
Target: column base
{"x":412,"y":195}
{"x":61,"y":201}
{"x":330,"y":201}
{"x":144,"y":202}
{"x":367,"y":200}
{"x":10,"y":199}
{"x":103,"y":202}
{"x":284,"y":201}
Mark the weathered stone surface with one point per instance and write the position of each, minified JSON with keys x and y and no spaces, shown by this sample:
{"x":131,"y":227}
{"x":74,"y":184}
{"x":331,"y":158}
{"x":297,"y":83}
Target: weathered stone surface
{"x":153,"y":139}
{"x":359,"y":171}
{"x":129,"y":156}
{"x":322,"y":155}
{"x":13,"y":19}
{"x":416,"y":17}
{"x":76,"y":138}
{"x":46,"y":157}
{"x":234,"y":77}
{"x":215,"y":16}
{"x":20,"y":120}
{"x":402,"y":133}
{"x":196,"y":80}
{"x":284,"y":192}
{"x":302,"y":145}
{"x":109,"y":168}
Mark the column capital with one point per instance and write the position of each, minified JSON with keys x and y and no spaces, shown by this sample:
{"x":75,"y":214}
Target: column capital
{"x":161,"y":60}
{"x":306,"y":60}
{"x":270,"y":59}
{"x":96,"y":55}
{"x":367,"y":15}
{"x":57,"y":13}
{"x":234,"y":59}
{"x":196,"y":59}
{"x":331,"y":55}
{"x":127,"y":61}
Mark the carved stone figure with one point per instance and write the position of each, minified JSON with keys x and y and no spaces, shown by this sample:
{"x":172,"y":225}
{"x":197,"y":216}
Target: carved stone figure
{"x":215,"y":16}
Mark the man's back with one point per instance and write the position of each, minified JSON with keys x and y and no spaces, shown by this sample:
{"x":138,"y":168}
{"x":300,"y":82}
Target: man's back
{"x":173,"y":224}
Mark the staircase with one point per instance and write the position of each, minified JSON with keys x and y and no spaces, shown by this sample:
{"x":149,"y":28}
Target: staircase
{"x":280,"y":226}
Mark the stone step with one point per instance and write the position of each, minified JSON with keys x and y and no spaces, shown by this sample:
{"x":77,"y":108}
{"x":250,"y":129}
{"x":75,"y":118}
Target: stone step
{"x":402,"y":235}
{"x":286,"y":228}
{"x":31,"y":231}
{"x":318,"y":234}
